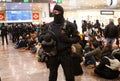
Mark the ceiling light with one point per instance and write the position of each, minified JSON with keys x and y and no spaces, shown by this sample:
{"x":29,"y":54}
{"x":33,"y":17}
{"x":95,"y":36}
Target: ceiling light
{"x":19,"y":3}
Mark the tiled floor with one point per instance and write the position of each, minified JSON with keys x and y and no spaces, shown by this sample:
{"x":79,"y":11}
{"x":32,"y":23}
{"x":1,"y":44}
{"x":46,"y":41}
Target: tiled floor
{"x":21,"y":65}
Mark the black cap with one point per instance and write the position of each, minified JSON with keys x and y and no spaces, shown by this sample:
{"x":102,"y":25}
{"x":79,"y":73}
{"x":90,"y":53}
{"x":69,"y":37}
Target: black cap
{"x":58,"y":7}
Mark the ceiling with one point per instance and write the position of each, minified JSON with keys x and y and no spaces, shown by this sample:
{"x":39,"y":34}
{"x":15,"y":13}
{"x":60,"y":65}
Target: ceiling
{"x":91,"y":4}
{"x":67,"y":4}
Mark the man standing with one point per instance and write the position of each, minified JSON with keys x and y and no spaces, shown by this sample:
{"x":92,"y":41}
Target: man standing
{"x":111,"y":32}
{"x":66,"y":35}
{"x":4,"y":32}
{"x":118,"y":31}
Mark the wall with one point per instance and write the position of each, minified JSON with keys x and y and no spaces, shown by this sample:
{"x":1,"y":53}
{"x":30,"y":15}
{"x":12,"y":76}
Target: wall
{"x":91,"y":15}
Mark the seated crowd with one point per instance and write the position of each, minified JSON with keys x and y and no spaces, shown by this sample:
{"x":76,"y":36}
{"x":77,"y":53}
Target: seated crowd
{"x":91,"y":51}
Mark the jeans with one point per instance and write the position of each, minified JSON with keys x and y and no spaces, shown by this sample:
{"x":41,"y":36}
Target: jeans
{"x":90,"y":60}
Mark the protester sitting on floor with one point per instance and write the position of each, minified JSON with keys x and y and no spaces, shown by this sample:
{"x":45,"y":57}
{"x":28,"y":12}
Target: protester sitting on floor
{"x":31,"y":41}
{"x":108,"y":67}
{"x":35,"y":49}
{"x":99,"y":52}
{"x":90,"y":60}
{"x":21,"y":43}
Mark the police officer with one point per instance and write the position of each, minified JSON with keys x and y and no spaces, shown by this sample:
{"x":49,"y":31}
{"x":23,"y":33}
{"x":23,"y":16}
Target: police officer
{"x":4,"y":32}
{"x":66,"y":35}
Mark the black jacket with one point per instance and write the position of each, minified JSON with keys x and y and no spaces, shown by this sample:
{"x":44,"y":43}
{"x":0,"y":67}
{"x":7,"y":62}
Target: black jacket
{"x":118,"y":26}
{"x":65,"y":37}
{"x":111,"y":31}
{"x":4,"y":31}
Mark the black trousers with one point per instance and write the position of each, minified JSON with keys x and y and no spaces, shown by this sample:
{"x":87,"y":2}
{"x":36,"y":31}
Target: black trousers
{"x":64,"y":58}
{"x":77,"y":68}
{"x":4,"y":36}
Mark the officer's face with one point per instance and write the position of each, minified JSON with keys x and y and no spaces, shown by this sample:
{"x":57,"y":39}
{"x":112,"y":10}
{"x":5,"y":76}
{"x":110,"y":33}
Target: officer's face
{"x":56,"y":12}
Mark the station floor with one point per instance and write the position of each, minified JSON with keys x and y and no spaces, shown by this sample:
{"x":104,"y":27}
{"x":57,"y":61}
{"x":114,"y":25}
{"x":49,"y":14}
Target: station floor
{"x":21,"y":65}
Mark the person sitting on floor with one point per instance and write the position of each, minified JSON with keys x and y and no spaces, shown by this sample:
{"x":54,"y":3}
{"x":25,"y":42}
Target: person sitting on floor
{"x":21,"y":43}
{"x":116,"y":51}
{"x":90,"y":52}
{"x":108,"y":67}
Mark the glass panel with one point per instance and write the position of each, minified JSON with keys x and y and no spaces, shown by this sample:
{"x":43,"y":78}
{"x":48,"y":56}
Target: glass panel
{"x":19,"y":16}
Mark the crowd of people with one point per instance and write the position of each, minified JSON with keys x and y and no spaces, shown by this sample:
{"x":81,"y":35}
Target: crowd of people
{"x":63,"y":44}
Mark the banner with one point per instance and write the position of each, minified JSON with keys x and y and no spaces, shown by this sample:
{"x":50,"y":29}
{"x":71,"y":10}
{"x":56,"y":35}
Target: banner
{"x":2,"y":16}
{"x":35,"y":16}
